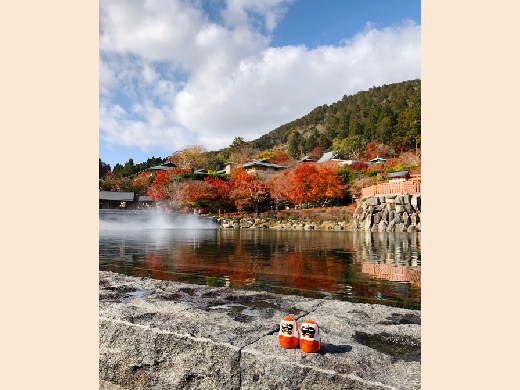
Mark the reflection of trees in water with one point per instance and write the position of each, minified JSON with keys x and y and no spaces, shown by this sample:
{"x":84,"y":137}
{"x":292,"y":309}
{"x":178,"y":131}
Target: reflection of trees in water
{"x":335,"y":262}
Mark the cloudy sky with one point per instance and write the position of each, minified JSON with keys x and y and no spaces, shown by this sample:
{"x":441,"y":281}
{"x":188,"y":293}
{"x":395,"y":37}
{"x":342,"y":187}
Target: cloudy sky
{"x":174,"y":73}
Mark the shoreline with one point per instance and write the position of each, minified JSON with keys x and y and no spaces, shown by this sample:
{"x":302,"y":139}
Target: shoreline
{"x":172,"y":335}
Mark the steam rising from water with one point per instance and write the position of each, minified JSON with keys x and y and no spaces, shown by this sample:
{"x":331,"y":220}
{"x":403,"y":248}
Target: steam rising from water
{"x":159,"y":221}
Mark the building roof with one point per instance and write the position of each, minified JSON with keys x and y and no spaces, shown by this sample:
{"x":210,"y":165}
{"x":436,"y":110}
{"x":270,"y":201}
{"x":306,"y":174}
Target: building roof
{"x":200,"y":171}
{"x":117,"y":196}
{"x":160,"y":168}
{"x":307,"y":159}
{"x":397,"y":174}
{"x":229,"y":163}
{"x":328,"y":156}
{"x":376,"y":159}
{"x":263,"y":163}
{"x":221,"y":172}
{"x":142,"y":198}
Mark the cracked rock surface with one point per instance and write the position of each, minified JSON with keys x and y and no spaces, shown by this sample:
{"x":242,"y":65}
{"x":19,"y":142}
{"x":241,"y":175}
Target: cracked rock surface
{"x":167,"y":335}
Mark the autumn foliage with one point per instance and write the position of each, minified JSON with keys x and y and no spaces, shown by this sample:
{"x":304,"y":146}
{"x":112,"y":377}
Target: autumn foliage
{"x":249,"y":191}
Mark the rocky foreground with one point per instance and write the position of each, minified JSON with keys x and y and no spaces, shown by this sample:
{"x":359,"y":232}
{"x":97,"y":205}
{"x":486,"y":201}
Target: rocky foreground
{"x":167,"y":335}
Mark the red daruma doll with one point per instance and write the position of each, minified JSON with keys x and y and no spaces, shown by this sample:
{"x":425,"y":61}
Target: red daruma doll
{"x":288,"y":335}
{"x":310,"y":341}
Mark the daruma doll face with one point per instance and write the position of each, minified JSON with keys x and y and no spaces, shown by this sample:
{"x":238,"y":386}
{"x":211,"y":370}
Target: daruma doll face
{"x":310,"y":340}
{"x":288,"y":335}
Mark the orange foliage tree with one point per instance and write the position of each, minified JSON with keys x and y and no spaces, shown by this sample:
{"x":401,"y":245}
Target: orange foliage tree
{"x":279,"y":157}
{"x":315,"y":183}
{"x":142,"y":182}
{"x":212,"y":193}
{"x":249,"y":191}
{"x":169,"y":187}
{"x":280,"y":188}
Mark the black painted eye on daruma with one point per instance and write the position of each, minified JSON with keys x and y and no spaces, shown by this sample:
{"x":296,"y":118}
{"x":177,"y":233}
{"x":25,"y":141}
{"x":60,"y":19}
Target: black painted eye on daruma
{"x":308,"y":330}
{"x":286,"y":328}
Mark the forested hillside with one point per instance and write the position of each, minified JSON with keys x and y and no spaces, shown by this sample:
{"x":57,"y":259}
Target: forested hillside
{"x":390,"y":113}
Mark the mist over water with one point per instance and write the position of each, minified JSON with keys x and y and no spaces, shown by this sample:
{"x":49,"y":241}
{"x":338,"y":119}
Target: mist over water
{"x":155,"y":221}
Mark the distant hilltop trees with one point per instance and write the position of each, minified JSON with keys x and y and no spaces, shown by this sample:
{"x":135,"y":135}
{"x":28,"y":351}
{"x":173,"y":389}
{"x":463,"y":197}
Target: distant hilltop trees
{"x":390,"y":113}
{"x":382,"y":122}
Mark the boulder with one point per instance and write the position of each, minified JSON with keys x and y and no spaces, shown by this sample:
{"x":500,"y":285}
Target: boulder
{"x":391,"y":215}
{"x":389,"y":197}
{"x":398,"y":219}
{"x":391,"y":225}
{"x":399,"y":227}
{"x":406,"y":219}
{"x":413,"y":219}
{"x":411,"y":229}
{"x":382,"y":199}
{"x":368,"y":222}
{"x":407,"y":198}
{"x":390,"y":206}
{"x":399,"y":199}
{"x":382,"y":226}
{"x":409,"y":209}
{"x":399,"y":209}
{"x":377,"y":218}
{"x":416,"y":202}
{"x":373,"y":201}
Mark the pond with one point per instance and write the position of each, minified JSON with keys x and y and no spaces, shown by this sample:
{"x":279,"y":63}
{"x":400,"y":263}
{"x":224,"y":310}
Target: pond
{"x":382,"y":268}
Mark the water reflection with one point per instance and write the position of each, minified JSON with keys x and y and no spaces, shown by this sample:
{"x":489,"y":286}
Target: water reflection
{"x":392,"y":256}
{"x":383,"y":267}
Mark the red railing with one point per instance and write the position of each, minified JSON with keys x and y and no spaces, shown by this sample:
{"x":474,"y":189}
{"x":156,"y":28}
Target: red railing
{"x":411,"y":186}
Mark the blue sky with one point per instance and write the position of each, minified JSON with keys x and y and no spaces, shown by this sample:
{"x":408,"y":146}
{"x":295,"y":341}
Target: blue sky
{"x":175,"y":73}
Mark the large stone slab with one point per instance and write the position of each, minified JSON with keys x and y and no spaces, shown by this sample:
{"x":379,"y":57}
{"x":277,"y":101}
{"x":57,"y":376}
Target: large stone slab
{"x":363,"y":347}
{"x":167,"y":335}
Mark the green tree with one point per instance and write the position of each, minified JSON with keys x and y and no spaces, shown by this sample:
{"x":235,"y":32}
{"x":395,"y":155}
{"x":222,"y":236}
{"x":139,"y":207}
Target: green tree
{"x":103,"y":168}
{"x":352,"y":147}
{"x":295,"y":146}
{"x":216,"y":162}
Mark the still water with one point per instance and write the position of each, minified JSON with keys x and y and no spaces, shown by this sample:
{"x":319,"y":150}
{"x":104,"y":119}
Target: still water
{"x":382,"y":268}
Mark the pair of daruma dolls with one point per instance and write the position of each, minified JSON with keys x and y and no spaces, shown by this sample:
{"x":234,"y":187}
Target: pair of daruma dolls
{"x":289,"y":335}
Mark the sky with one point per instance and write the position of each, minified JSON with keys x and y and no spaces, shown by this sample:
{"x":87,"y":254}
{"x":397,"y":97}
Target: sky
{"x":174,"y":73}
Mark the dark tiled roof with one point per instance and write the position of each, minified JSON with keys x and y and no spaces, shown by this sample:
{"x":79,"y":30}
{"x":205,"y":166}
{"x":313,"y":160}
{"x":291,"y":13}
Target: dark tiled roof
{"x":142,"y":198}
{"x":200,"y":171}
{"x":261,"y":163}
{"x":160,"y":168}
{"x":118,"y":196}
{"x":221,"y":172}
{"x":397,"y":174}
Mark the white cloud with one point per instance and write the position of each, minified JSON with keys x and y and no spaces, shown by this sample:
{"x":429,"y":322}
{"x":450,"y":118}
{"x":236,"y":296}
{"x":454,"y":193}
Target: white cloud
{"x":232,"y":83}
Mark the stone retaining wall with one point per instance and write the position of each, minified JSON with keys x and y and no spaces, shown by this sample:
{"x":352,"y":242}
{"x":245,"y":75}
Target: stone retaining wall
{"x":387,"y":213}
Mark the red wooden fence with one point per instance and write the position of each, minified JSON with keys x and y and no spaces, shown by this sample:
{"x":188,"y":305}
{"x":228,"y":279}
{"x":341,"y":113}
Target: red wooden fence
{"x":412,"y":186}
